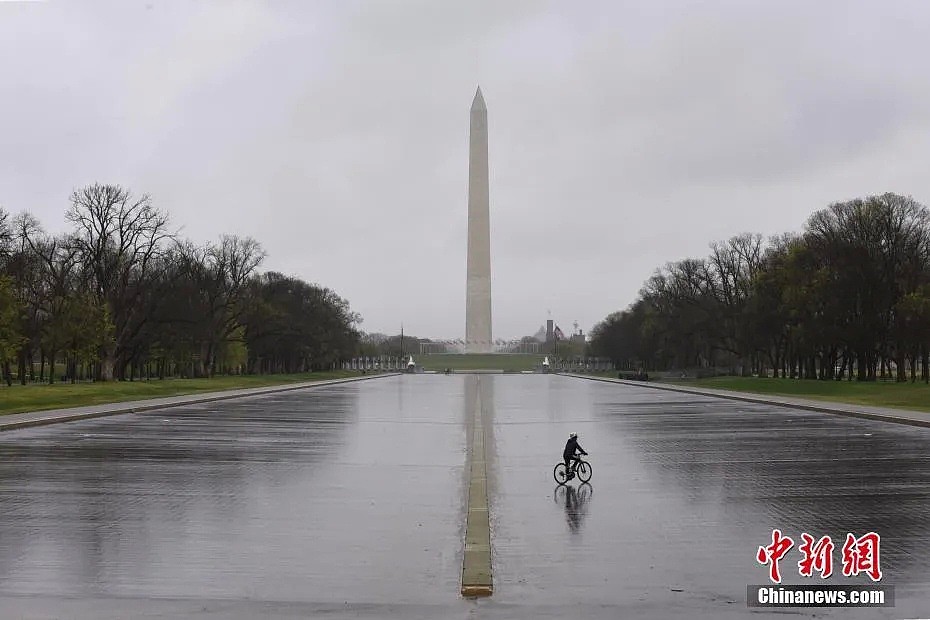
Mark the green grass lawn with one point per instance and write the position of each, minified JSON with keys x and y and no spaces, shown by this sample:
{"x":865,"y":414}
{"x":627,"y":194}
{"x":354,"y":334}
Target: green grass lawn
{"x":38,"y":397}
{"x":914,"y":396}
{"x":479,"y":361}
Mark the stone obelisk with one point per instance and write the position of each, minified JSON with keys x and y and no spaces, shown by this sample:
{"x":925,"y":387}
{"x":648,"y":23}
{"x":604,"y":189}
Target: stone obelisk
{"x":478,"y":291}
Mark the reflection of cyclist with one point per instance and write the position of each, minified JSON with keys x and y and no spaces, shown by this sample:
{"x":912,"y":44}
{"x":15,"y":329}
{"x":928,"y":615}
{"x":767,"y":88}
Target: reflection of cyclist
{"x":575,"y":503}
{"x":569,"y":454}
{"x":572,"y":509}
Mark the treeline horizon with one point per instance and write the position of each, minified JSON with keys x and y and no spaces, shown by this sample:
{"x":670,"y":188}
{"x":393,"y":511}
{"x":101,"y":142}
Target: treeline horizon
{"x":847,"y":297}
{"x":121,"y":296}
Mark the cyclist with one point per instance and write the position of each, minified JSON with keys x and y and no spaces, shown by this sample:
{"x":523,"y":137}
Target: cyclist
{"x":569,"y":454}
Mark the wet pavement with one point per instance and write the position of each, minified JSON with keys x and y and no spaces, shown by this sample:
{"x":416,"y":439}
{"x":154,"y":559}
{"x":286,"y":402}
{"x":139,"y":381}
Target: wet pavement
{"x":258,"y":507}
{"x":869,"y":412}
{"x":348,"y":501}
{"x":15,"y":421}
{"x":685,"y":489}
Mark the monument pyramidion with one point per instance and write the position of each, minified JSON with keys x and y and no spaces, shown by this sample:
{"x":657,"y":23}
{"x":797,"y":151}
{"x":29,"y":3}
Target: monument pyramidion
{"x":478,"y":284}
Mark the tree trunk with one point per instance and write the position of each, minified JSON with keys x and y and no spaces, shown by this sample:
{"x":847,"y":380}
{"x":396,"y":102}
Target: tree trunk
{"x":211,"y":360}
{"x":107,"y":365}
{"x":22,"y":366}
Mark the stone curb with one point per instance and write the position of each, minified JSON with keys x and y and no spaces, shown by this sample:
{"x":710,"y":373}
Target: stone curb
{"x":907,"y":417}
{"x":108,"y":409}
{"x":477,"y":580}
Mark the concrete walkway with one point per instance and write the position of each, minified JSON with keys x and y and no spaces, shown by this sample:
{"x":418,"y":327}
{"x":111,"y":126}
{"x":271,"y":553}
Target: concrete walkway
{"x":884,"y":414}
{"x":52,"y":416}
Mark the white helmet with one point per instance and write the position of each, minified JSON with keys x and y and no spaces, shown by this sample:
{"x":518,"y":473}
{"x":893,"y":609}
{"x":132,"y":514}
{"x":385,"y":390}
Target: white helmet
{"x":573,"y":435}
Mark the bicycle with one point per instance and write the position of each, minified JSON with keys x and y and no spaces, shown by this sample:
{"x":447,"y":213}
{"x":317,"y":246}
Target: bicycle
{"x":582,"y":468}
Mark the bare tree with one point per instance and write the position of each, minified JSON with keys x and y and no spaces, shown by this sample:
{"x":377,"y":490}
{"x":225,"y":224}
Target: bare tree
{"x":120,"y":240}
{"x":6,"y":237}
{"x":217,"y":278}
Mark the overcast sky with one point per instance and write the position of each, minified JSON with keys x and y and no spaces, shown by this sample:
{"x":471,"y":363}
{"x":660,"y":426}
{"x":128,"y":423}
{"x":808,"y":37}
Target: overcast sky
{"x":623,"y":135}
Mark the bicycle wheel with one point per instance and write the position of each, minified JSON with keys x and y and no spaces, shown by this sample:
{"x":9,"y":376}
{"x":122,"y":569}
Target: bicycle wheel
{"x":584,"y":471}
{"x":560,"y":474}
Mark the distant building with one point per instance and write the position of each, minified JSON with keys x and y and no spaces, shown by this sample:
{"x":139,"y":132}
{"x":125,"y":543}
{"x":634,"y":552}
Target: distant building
{"x":550,"y":333}
{"x":579,"y":337}
{"x":540,"y":336}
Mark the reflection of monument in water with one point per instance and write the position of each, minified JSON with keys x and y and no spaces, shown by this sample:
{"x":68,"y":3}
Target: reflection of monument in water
{"x":478,"y":283}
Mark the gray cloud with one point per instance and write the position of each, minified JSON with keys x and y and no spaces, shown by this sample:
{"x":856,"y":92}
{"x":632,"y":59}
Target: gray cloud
{"x":622,"y":134}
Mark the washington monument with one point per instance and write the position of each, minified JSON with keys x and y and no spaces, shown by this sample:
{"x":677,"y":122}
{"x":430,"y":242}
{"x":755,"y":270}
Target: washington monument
{"x":478,"y":291}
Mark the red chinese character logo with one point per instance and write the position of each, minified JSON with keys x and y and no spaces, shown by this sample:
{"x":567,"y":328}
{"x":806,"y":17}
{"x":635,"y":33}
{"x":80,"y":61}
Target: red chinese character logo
{"x":860,"y":555}
{"x":817,"y":556}
{"x":773,"y":553}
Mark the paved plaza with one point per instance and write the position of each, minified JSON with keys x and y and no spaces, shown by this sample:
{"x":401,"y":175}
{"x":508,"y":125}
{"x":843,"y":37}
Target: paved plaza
{"x":347,"y":501}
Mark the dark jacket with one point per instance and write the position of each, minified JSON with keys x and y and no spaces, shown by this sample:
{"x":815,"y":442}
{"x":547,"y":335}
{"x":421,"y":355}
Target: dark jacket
{"x":571,"y":446}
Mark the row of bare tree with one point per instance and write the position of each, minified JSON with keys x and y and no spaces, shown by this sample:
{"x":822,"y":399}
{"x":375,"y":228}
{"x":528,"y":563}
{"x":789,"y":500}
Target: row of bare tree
{"x":122,"y":296}
{"x":849,"y":296}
